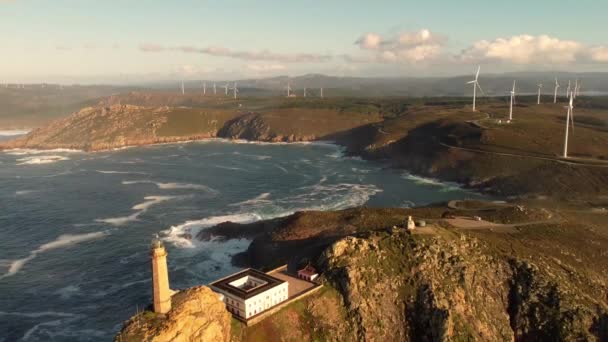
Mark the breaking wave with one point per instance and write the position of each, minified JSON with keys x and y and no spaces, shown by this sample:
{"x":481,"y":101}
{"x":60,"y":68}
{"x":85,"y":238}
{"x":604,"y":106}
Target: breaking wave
{"x":10,"y":133}
{"x":445,"y":186}
{"x":174,"y":186}
{"x":183,"y":235}
{"x":41,"y":160}
{"x":140,"y":209}
{"x":121,"y":172}
{"x":65,"y":240}
{"x":25,"y":151}
{"x":316,"y":197}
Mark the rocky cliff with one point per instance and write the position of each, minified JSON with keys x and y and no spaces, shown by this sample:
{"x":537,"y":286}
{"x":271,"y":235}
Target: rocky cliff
{"x":397,"y":287}
{"x":536,"y":274}
{"x":197,"y":314}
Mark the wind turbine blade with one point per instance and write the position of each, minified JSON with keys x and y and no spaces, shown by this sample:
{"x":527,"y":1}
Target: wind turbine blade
{"x":477,"y":74}
{"x":473,"y":81}
{"x":478,"y":86}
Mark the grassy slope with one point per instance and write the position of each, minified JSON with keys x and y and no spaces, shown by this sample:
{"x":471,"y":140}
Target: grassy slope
{"x":35,"y":106}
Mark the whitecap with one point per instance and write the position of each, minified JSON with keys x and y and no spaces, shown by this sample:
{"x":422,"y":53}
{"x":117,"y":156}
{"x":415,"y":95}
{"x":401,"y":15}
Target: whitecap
{"x":141,"y":208}
{"x":445,"y":186}
{"x":174,"y":186}
{"x":13,"y":132}
{"x":260,"y":199}
{"x":34,"y":160}
{"x":121,"y":172}
{"x":38,"y":314}
{"x":177,"y":235}
{"x":281,"y":168}
{"x":68,"y":291}
{"x":24,"y":192}
{"x":326,"y":197}
{"x":65,"y":240}
{"x":25,"y":151}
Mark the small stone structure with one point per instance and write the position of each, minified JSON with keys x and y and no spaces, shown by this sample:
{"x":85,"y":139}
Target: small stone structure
{"x":308,"y":273}
{"x":410,"y":223}
{"x":160,"y":278}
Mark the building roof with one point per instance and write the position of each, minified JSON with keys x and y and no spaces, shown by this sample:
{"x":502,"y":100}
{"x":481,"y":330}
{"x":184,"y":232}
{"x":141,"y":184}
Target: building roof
{"x":308,"y":270}
{"x":224,"y":283}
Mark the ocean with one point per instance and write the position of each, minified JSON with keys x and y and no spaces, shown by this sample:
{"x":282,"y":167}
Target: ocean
{"x":75,"y":227}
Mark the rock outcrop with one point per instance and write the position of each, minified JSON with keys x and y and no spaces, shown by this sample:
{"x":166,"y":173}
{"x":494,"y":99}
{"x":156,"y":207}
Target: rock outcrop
{"x":403,"y":287}
{"x":197,"y":314}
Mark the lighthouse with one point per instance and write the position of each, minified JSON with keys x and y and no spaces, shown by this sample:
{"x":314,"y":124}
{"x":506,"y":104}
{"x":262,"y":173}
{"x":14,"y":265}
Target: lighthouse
{"x":160,"y":277}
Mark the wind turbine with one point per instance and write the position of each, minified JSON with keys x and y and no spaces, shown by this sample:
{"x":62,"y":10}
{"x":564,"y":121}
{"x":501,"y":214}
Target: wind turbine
{"x":475,"y":84}
{"x":183,"y":90}
{"x":214,"y":89}
{"x":321,"y":92}
{"x":569,"y":119}
{"x":204,"y":88}
{"x":540,"y":86}
{"x":226,"y":89}
{"x":288,"y":89}
{"x":556,"y":87}
{"x":568,"y":89}
{"x":304,"y":91}
{"x":235,"y":89}
{"x":575,"y":88}
{"x":511,"y":105}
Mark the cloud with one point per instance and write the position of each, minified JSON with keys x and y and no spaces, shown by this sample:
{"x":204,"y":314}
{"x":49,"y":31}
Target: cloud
{"x":261,"y":68}
{"x":523,"y":49}
{"x":369,"y":41}
{"x":263,"y":55}
{"x":406,"y":47}
{"x":151,"y":48}
{"x":598,"y":54}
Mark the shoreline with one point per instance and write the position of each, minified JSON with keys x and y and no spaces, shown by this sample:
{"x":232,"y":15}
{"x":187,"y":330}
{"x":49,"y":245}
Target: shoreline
{"x":342,"y":148}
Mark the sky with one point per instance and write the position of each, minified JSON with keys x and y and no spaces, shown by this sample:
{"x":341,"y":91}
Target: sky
{"x":131,"y":41}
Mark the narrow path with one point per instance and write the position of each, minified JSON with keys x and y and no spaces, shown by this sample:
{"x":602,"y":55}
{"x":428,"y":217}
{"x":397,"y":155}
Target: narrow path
{"x":575,"y":162}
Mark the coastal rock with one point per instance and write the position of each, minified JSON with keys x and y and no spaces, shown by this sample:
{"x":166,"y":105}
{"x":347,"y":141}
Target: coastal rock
{"x":197,"y":314}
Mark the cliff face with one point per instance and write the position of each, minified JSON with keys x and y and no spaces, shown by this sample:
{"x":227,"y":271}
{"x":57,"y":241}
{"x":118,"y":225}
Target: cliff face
{"x":401,"y":287}
{"x":197,"y":314}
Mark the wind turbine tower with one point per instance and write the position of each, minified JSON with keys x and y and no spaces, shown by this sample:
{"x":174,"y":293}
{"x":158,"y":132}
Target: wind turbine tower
{"x":226,"y":89}
{"x":475,"y":84}
{"x":288,"y":89}
{"x":568,"y":89}
{"x":183,"y":90}
{"x":304,"y":91}
{"x":204,"y":88}
{"x":511,"y":105}
{"x":569,"y":119}
{"x":321,"y":92}
{"x":555,"y":94}
{"x":540,"y":86}
{"x":235,"y":89}
{"x":575,"y":88}
{"x":214,"y":89}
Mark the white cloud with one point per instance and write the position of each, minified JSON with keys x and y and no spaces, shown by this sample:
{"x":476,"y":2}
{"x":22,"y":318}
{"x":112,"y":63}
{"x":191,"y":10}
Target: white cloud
{"x":263,"y":55}
{"x":407,"y":47}
{"x":599,"y":54}
{"x":523,"y":49}
{"x":369,"y":41}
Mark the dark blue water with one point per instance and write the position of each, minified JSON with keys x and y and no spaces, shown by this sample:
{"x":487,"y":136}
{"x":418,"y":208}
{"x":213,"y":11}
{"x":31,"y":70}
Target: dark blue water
{"x":75,"y":227}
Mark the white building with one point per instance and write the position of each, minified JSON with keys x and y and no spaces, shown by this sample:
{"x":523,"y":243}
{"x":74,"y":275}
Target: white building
{"x":251,"y":292}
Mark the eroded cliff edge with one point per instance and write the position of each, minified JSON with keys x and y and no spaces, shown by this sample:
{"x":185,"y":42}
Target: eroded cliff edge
{"x":197,"y":314}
